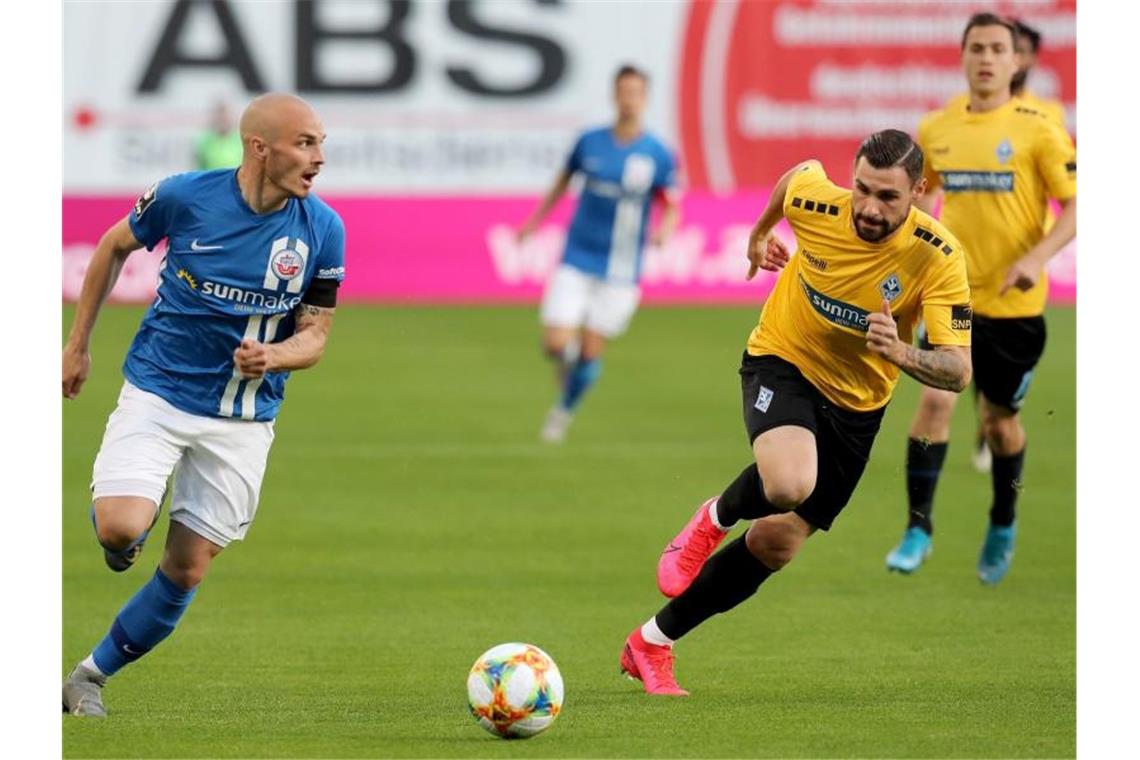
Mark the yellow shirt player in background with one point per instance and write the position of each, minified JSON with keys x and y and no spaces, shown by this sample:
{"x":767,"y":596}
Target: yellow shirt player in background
{"x":1028,"y":45}
{"x":816,"y":376}
{"x":997,"y":163}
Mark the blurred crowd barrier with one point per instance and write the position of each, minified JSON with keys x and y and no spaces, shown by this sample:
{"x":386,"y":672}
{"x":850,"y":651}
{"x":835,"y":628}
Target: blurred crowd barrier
{"x":446,"y":120}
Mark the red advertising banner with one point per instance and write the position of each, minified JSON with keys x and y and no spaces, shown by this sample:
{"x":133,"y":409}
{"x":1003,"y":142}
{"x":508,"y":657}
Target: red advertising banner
{"x":765,"y":84}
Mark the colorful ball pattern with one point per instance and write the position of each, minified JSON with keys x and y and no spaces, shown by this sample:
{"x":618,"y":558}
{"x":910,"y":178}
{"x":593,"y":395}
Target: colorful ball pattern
{"x":515,"y":690}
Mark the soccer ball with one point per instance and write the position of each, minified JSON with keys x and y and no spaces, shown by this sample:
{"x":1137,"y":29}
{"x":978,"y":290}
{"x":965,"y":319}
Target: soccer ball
{"x":514,"y":690}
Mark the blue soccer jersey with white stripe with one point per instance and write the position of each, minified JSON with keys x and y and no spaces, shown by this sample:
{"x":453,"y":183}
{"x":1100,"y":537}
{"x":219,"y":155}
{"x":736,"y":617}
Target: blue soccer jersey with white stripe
{"x":621,"y":179}
{"x":229,"y":274}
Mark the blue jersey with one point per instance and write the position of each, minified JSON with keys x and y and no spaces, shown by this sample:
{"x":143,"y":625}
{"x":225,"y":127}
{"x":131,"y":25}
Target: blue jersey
{"x":608,"y":231}
{"x":229,"y":274}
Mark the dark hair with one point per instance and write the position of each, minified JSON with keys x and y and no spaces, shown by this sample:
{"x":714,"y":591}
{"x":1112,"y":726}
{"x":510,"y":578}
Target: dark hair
{"x":629,"y":70}
{"x":893,"y":147}
{"x":989,"y":19}
{"x":1029,"y":33}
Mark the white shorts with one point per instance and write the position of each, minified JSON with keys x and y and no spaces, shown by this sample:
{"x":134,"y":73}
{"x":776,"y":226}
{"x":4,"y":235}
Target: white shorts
{"x":575,"y":299}
{"x":218,"y":463}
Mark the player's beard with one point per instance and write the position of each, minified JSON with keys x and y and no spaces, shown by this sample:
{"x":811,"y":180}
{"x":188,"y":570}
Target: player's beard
{"x":879,"y":231}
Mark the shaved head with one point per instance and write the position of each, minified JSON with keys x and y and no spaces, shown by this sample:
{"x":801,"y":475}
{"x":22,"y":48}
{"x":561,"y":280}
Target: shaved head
{"x":281,"y":138}
{"x":267,"y":115}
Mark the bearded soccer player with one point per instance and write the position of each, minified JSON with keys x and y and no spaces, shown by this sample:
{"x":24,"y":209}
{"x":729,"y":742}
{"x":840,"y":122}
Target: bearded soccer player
{"x":997,"y":162}
{"x":817,"y":374}
{"x":247,"y":293}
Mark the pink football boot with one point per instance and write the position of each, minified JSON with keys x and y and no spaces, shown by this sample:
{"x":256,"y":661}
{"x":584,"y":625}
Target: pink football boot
{"x":685,"y":555}
{"x":650,"y":664}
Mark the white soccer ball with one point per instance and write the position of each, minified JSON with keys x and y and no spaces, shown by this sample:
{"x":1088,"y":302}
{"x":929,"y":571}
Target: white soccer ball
{"x":514,"y":690}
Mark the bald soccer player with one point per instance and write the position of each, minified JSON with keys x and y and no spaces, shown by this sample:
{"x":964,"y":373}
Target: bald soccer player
{"x":247,"y":293}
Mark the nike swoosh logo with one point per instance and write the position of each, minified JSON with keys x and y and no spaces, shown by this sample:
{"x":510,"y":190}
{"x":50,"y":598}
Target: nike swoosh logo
{"x":128,"y":650}
{"x":671,"y":548}
{"x":195,"y":247}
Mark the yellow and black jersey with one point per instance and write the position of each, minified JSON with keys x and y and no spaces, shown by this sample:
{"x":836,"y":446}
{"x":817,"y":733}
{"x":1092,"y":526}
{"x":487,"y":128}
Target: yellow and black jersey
{"x":816,"y":317}
{"x":1053,"y":109}
{"x":997,"y":171}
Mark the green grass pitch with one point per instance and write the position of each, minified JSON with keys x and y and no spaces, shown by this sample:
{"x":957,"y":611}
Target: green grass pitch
{"x":410,"y":520}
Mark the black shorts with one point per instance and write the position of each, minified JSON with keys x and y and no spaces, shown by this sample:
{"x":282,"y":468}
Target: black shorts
{"x":1004,"y":353}
{"x":775,"y":394}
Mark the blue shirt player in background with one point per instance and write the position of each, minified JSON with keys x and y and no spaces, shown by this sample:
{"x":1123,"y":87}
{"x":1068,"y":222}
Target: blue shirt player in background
{"x":246,"y":294}
{"x":592,"y":296}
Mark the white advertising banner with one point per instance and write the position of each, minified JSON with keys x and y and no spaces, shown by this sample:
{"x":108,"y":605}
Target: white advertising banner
{"x":417,"y":97}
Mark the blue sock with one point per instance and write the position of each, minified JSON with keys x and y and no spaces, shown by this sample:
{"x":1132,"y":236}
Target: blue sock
{"x":146,"y":619}
{"x":583,"y":374}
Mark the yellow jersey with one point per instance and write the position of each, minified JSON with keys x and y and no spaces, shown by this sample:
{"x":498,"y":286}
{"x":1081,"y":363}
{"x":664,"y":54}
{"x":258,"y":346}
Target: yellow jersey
{"x":1053,"y":109}
{"x":997,"y":171}
{"x":816,"y":316}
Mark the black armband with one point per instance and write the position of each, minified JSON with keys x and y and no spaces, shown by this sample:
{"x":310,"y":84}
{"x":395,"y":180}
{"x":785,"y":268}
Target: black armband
{"x":321,"y":293}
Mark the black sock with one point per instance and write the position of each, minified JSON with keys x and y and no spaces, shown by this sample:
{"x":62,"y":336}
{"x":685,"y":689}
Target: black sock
{"x":1007,"y":484}
{"x":923,"y":466}
{"x":728,"y":578}
{"x":744,"y":499}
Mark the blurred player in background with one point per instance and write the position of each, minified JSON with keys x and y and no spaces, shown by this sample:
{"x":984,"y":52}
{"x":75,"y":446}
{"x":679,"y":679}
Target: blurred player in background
{"x":219,"y":146}
{"x":1028,"y":47}
{"x":997,"y":163}
{"x":247,"y":293}
{"x":817,"y":374}
{"x":594,"y":293}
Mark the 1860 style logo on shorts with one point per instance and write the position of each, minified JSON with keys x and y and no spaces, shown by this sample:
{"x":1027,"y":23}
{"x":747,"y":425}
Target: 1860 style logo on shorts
{"x":764,"y":398}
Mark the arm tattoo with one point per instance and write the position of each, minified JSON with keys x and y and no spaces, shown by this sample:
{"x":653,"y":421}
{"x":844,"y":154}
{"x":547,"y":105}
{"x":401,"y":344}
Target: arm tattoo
{"x":308,"y":310}
{"x":938,"y":369}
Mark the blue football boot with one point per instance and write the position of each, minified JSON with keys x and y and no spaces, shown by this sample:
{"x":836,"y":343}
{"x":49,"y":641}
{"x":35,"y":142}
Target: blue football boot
{"x":997,"y":553}
{"x":911,"y":552}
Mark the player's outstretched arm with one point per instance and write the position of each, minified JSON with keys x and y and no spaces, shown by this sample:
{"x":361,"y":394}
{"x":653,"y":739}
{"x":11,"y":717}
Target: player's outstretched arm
{"x":102,"y":272}
{"x":946,"y":367}
{"x":765,"y":250}
{"x":302,"y":349}
{"x":1025,"y":272}
{"x":552,"y":195}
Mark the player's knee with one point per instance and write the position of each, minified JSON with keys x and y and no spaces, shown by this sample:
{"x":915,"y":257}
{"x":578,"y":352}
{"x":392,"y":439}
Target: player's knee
{"x":116,"y":535}
{"x":773,"y":543}
{"x":788,"y":491}
{"x":1003,"y":432}
{"x":553,"y":347}
{"x":937,"y":406}
{"x":186,"y":575}
{"x":118,"y":525}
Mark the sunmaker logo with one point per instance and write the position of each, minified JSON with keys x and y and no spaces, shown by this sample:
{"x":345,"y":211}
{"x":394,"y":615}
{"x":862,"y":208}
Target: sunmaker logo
{"x":836,"y":312}
{"x":981,"y":182}
{"x":250,"y":300}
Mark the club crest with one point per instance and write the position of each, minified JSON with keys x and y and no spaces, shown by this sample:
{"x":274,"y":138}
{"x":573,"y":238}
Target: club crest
{"x":891,"y":288}
{"x":287,"y":264}
{"x":1004,"y":151}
